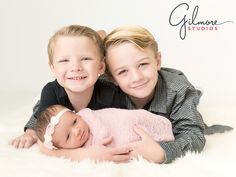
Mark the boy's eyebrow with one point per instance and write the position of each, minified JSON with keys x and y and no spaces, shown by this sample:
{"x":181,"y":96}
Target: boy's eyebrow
{"x":144,"y":58}
{"x":119,"y":68}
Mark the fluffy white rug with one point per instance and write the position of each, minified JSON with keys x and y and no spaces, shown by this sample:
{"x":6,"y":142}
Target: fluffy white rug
{"x":216,"y":160}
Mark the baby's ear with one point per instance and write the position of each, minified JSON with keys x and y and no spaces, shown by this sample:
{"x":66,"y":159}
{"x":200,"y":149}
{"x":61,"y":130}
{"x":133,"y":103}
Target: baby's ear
{"x":102,"y":33}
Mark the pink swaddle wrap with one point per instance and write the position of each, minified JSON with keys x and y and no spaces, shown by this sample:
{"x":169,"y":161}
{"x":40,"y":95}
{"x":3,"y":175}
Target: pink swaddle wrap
{"x":119,"y":124}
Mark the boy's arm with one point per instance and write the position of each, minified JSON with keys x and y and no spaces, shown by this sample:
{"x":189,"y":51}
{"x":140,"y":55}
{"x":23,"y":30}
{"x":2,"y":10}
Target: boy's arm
{"x":188,"y":126}
{"x":188,"y":129}
{"x":29,"y":137}
{"x":32,"y":121}
{"x":48,"y":97}
{"x":26,"y":140}
{"x":97,"y":153}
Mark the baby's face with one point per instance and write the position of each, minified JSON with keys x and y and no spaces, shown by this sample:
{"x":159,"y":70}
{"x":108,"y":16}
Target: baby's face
{"x":71,"y":131}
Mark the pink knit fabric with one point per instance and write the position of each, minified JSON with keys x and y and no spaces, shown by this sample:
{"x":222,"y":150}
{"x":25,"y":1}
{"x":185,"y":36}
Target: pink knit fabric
{"x":119,"y":124}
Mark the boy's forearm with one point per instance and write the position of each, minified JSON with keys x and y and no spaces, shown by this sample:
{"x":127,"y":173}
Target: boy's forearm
{"x":73,"y":154}
{"x":188,"y":125}
{"x":32,"y":121}
{"x":30,"y":132}
{"x":193,"y":142}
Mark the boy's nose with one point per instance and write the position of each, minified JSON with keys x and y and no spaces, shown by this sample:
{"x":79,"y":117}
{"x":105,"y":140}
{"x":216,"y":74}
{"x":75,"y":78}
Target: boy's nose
{"x":76,"y":66}
{"x":136,"y":75}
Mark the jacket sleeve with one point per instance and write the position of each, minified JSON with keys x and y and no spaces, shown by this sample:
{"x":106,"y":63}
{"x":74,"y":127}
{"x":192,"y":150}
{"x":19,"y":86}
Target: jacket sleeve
{"x":187,"y":123}
{"x":32,"y":121}
{"x":48,"y":97}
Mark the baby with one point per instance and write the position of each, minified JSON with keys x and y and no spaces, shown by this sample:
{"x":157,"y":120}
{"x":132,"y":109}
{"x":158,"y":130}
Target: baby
{"x":59,"y":127}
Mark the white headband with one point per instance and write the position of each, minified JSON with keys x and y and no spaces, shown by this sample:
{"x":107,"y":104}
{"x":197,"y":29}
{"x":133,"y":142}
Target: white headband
{"x":50,"y":129}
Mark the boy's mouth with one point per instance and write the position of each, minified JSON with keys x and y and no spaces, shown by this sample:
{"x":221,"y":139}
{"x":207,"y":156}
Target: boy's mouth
{"x":139,"y":85}
{"x":77,"y":77}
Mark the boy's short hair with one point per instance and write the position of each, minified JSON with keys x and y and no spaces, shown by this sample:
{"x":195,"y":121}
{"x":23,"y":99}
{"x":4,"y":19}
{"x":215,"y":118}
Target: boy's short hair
{"x":136,"y":35}
{"x":77,"y":31}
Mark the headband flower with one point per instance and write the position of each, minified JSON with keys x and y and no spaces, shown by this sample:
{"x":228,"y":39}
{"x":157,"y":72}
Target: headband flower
{"x":51,"y":128}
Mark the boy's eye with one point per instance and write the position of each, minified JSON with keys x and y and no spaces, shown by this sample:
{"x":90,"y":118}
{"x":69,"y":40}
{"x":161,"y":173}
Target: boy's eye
{"x":63,"y":60}
{"x":86,"y":58}
{"x":122,"y":72}
{"x":143,"y":64}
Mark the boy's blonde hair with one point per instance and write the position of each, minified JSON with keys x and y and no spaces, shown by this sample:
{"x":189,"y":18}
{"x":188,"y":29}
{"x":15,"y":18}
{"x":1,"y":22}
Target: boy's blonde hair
{"x":136,"y":35}
{"x":76,"y":31}
{"x":44,"y":119}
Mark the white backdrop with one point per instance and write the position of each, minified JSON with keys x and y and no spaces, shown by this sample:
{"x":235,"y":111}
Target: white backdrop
{"x":207,"y":57}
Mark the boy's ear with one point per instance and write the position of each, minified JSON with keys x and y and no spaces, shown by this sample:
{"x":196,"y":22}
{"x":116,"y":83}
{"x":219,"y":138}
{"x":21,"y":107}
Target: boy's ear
{"x":52,"y":69}
{"x":158,"y":59}
{"x":102,"y":33}
{"x":102,"y":67}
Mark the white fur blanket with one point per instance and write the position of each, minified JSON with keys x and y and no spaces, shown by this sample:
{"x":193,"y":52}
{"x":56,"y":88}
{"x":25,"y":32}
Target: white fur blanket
{"x":216,"y":160}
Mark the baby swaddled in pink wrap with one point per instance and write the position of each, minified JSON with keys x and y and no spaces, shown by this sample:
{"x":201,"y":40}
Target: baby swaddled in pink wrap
{"x":119,"y":124}
{"x":58,"y":127}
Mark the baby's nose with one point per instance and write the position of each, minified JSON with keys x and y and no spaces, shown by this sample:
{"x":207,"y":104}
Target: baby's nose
{"x":76,"y":131}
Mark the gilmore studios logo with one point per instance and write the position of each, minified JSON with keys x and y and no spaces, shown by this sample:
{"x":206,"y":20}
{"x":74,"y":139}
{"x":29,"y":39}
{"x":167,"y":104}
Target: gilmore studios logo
{"x":180,"y":18}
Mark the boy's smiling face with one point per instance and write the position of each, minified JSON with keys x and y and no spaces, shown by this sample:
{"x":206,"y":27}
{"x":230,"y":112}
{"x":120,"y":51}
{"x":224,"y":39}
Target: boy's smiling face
{"x":76,"y":63}
{"x":134,"y":70}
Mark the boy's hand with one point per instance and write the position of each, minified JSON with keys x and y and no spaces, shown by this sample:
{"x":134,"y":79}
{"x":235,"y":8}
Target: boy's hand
{"x":146,"y":147}
{"x":26,"y":140}
{"x":103,"y":153}
{"x":97,"y":152}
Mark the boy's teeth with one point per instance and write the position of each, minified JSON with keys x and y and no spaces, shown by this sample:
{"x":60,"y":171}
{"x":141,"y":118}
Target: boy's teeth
{"x":76,"y":78}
